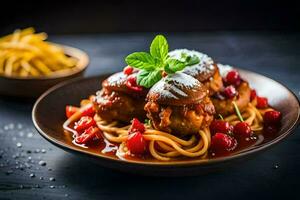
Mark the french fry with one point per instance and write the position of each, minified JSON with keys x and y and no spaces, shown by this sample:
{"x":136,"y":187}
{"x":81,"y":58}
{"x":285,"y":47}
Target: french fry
{"x":26,"y":53}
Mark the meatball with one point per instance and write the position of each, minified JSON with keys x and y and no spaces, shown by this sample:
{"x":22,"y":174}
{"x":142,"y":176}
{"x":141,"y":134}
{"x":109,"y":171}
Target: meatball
{"x":179,"y":104}
{"x":113,"y":105}
{"x":181,"y":120}
{"x":205,"y":71}
{"x":225,"y":107}
{"x":117,"y":101}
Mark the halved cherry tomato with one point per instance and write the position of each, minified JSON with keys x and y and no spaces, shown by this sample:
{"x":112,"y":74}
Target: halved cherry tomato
{"x":132,"y":84}
{"x":70,"y":110}
{"x":230,"y":92}
{"x":242,"y":130}
{"x":128,"y":70}
{"x":272,"y":117}
{"x":233,"y":78}
{"x":136,"y":125}
{"x":262,"y":102}
{"x":136,"y":143}
{"x":88,"y":135}
{"x":84,"y":123}
{"x":88,"y":111}
{"x":221,"y":142}
{"x":253,"y":95}
{"x":220,"y":126}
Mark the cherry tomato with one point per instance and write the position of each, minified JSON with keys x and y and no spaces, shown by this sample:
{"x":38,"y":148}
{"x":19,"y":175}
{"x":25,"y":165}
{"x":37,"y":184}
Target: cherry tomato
{"x":70,"y":110}
{"x":230,"y":92}
{"x":128,"y":70}
{"x":88,"y":135}
{"x":233,"y":78}
{"x":221,"y":142}
{"x":84,"y":123}
{"x":262,"y":102}
{"x":242,"y":130}
{"x":136,"y":143}
{"x":272,"y":117}
{"x":220,"y":126}
{"x":136,"y":126}
{"x":253,"y":95}
{"x":89,"y":111}
{"x":132,"y":84}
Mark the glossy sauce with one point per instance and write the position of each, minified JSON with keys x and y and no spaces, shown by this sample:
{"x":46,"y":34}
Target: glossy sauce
{"x":104,"y":147}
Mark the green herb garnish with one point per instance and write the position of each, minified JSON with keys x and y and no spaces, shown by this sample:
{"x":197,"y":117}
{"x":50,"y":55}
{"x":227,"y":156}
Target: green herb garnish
{"x":152,"y":64}
{"x":238,"y":111}
{"x":221,"y":117}
{"x":147,"y":122}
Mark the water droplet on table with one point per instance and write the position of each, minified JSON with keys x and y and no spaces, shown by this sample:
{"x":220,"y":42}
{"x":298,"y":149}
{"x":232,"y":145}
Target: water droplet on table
{"x":276,"y":166}
{"x":51,"y":179}
{"x":21,"y":167}
{"x":43,"y":150}
{"x":19,"y":145}
{"x":32,"y":175}
{"x":42,"y":163}
{"x":15,"y":156}
{"x":27,"y":165}
{"x":37,"y":151}
{"x":52,"y":186}
{"x":9,"y":172}
{"x":19,"y":126}
{"x":21,"y":133}
{"x":29,"y":135}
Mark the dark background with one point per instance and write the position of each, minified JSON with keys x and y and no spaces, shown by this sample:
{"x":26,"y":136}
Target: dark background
{"x":72,"y":17}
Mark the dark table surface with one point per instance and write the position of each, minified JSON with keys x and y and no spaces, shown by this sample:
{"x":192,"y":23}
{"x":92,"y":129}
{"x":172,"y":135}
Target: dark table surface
{"x":272,"y":174}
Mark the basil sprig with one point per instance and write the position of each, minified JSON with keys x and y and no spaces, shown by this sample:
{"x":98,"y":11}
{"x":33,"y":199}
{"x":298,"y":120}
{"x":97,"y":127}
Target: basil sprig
{"x":152,"y":64}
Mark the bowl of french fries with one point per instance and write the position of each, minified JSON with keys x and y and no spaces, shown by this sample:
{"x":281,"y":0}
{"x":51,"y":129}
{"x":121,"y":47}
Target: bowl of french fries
{"x":29,"y":64}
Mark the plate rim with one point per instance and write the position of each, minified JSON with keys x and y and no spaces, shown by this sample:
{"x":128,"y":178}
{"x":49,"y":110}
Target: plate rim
{"x":199,"y":162}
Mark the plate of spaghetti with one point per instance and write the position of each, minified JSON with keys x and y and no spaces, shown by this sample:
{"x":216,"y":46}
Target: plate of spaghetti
{"x":168,"y":113}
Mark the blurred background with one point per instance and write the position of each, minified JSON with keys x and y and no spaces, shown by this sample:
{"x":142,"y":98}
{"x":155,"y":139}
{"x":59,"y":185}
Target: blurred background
{"x":112,"y":16}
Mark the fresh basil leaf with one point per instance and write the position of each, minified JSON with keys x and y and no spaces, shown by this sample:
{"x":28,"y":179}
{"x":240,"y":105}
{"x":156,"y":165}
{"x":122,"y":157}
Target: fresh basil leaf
{"x":174,"y":65}
{"x":184,"y":55}
{"x":159,"y":48}
{"x":168,"y":69}
{"x":148,"y":78}
{"x":141,"y":60}
{"x":192,"y":60}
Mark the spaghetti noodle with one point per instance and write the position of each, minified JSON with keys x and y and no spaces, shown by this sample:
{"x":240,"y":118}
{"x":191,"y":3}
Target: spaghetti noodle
{"x":162,"y":145}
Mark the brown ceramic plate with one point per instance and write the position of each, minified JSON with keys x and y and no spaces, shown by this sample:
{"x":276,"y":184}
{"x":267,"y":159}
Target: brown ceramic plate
{"x":35,"y":86}
{"x":49,"y":114}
